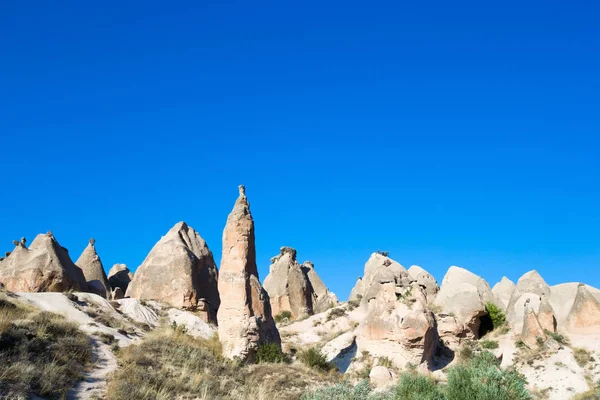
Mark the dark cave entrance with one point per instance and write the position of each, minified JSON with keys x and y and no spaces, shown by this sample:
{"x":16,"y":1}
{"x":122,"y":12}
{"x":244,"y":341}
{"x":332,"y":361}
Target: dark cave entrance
{"x":485,"y":325}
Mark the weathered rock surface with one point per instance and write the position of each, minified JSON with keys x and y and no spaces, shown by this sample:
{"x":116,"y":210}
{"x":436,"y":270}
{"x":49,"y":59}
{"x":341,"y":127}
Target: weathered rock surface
{"x":119,"y":276}
{"x":503,"y":291}
{"x":43,"y":267}
{"x":464,"y":295}
{"x":117,"y":294}
{"x":533,"y":332}
{"x":179,"y":270}
{"x":584,"y":316}
{"x":288,"y":286}
{"x":381,"y":376}
{"x":193,"y":324}
{"x":341,"y":350}
{"x":138,"y":312}
{"x":379,"y":270}
{"x":563,"y":296}
{"x":323,"y":299}
{"x":93,"y":270}
{"x":529,"y":291}
{"x":425,"y":280}
{"x":245,"y":318}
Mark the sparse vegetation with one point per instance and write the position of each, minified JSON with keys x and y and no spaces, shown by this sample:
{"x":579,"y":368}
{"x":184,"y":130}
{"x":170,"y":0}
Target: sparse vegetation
{"x":489,"y":344}
{"x":412,"y":386}
{"x":558,"y":337}
{"x":335,"y":313}
{"x":496,"y":314}
{"x":313,"y":358}
{"x":40,"y":352}
{"x":270,"y":353}
{"x":283,"y":316}
{"x":383,"y":253}
{"x":385,"y":362}
{"x":343,"y":391}
{"x":582,"y":356}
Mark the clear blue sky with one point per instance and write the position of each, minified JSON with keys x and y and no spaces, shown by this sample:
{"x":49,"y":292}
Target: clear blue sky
{"x":445,"y":133}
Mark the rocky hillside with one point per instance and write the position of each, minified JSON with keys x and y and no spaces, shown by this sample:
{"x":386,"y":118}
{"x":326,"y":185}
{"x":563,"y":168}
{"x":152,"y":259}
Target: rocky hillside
{"x":182,"y":328}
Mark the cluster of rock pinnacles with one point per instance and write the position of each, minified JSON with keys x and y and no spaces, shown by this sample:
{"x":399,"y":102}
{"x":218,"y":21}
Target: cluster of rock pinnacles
{"x":397,"y":304}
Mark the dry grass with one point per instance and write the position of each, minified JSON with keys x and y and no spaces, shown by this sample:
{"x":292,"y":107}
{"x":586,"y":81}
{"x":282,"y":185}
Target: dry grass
{"x":40,"y":353}
{"x":170,"y":364}
{"x":582,"y":356}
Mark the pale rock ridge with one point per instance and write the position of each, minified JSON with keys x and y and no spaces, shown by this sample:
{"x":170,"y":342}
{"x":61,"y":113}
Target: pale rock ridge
{"x":43,"y":267}
{"x":245,"y":318}
{"x":503,"y":291}
{"x":379,"y":270}
{"x":179,"y":270}
{"x":584,"y":316}
{"x":93,"y":270}
{"x":119,"y":276}
{"x":464,"y":295}
{"x":287,"y":285}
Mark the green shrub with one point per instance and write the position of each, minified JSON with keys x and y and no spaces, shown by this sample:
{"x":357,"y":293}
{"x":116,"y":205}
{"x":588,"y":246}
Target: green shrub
{"x":557,"y":336}
{"x":412,"y":386}
{"x":341,"y":391}
{"x":335,"y":313}
{"x":282,"y":316}
{"x":489,"y":344}
{"x":269,"y":353}
{"x":496,"y":314}
{"x":385,"y":362}
{"x":481,"y":379}
{"x":315,"y":359}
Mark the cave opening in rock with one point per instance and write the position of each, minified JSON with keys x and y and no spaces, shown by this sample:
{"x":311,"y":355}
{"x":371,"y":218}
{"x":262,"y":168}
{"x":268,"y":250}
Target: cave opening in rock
{"x":485,"y":325}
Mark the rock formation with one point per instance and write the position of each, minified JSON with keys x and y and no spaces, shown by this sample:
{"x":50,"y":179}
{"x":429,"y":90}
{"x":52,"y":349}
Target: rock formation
{"x":465,"y":295}
{"x":323,"y":299}
{"x":584,"y":316}
{"x":43,"y":267}
{"x":532,"y":333}
{"x":179,"y":270}
{"x":245,"y":319}
{"x":425,"y":280}
{"x":93,"y":270}
{"x":379,"y":269}
{"x":503,"y":291}
{"x":296,"y":288}
{"x":529,"y":291}
{"x":563,"y":296}
{"x":287,"y":285}
{"x":119,"y":276}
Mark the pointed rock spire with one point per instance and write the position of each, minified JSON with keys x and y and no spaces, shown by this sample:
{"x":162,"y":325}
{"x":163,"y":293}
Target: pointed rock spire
{"x":532,"y":332}
{"x":93,"y":270}
{"x":503,"y":291}
{"x":323,"y":299}
{"x":584,"y":316}
{"x":245,"y":318}
{"x":120,"y":277}
{"x":179,"y":270}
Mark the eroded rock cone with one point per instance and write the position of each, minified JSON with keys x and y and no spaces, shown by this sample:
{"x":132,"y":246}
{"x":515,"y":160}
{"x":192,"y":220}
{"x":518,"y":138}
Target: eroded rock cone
{"x":529,"y":291}
{"x":43,"y":267}
{"x":425,"y":280}
{"x":245,"y":318}
{"x":323,"y":299}
{"x":503,"y":291}
{"x":180,"y":271}
{"x":287,"y":285}
{"x":119,"y":276}
{"x":379,"y":269}
{"x":584,"y":317}
{"x":93,"y":270}
{"x":532,"y":333}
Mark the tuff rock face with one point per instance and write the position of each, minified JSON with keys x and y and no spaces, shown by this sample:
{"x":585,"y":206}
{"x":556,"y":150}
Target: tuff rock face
{"x":119,"y":276}
{"x":464,"y":295}
{"x":562,"y":298}
{"x":425,"y":280}
{"x":529,"y":291}
{"x":287,"y":285}
{"x":179,"y":270}
{"x":245,"y":318}
{"x":584,"y":317}
{"x":93,"y":270}
{"x":296,"y":288}
{"x":532,"y":332}
{"x":379,"y":270}
{"x":43,"y":267}
{"x":503,"y":291}
{"x":323,"y":299}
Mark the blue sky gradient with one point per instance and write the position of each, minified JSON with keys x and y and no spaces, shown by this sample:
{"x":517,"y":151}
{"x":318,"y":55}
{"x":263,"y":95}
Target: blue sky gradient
{"x":447,"y":134}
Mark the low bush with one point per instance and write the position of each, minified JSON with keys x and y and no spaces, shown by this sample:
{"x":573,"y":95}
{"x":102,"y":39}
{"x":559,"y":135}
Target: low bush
{"x":335,"y":313}
{"x":412,"y":386}
{"x":489,"y":344}
{"x":313,"y":358}
{"x":343,"y":391}
{"x":282,"y":316}
{"x":270,"y":353}
{"x":496,"y":314}
{"x":582,"y":356}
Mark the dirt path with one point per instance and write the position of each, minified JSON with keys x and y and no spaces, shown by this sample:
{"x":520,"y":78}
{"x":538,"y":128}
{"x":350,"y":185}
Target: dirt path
{"x":93,"y":385}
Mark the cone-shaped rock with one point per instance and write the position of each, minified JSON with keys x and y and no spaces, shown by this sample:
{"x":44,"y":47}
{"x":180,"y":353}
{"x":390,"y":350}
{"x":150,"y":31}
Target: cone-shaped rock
{"x":245,"y":318}
{"x":287,"y":285}
{"x":503,"y":291}
{"x":563,"y":296}
{"x":43,"y":267}
{"x":530,"y":289}
{"x":179,"y":270}
{"x":584,"y":316}
{"x":532,"y":331}
{"x":93,"y":270}
{"x":379,"y":269}
{"x":323,"y":299}
{"x":119,"y":276}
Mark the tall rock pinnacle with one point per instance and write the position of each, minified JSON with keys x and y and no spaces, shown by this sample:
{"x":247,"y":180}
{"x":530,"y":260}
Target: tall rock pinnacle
{"x":245,"y":318}
{"x":93,"y":270}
